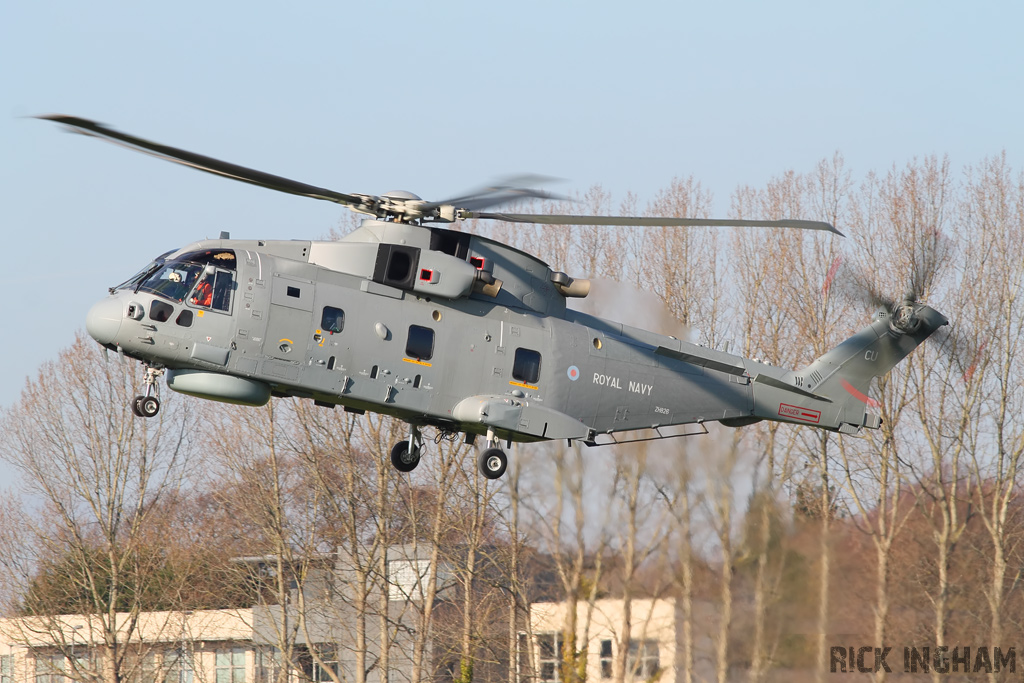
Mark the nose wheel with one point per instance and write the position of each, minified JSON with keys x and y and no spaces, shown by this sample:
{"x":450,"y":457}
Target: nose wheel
{"x":405,"y":455}
{"x":148,"y":404}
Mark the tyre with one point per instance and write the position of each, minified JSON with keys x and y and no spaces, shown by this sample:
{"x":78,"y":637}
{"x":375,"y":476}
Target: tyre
{"x":148,"y":406}
{"x":402,"y":459}
{"x":492,"y":463}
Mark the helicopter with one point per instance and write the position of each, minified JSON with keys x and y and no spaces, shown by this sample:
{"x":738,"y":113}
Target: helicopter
{"x":452,"y":330}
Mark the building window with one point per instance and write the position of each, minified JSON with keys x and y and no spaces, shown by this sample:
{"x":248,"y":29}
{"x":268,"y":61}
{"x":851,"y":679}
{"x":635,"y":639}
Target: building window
{"x":606,"y":659}
{"x":6,"y":668}
{"x":230,"y":665}
{"x":144,"y":669}
{"x":644,"y":660}
{"x":333,"y":320}
{"x":268,"y":665}
{"x":421,"y":343}
{"x":526,"y":367}
{"x":49,"y":668}
{"x":549,"y":656}
{"x":407,"y":579}
{"x":327,"y":670}
{"x":178,"y":667}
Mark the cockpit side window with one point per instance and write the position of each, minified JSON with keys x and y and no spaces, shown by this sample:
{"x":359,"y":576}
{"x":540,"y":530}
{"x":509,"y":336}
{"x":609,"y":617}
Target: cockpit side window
{"x":222,"y":290}
{"x":203,"y":295}
{"x":214,"y":291}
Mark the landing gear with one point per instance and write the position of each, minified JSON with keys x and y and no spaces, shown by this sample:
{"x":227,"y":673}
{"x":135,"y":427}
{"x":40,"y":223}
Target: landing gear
{"x":405,"y":455}
{"x":492,"y":461}
{"x":148,"y":404}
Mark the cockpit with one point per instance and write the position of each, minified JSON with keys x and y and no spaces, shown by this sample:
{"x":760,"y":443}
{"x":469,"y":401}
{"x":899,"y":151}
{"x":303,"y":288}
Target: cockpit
{"x":202,"y":278}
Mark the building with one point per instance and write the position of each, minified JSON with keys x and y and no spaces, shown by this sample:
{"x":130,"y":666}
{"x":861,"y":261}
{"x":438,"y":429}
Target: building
{"x":330,"y":628}
{"x":339,"y":634}
{"x":167,"y":647}
{"x":656,"y":639}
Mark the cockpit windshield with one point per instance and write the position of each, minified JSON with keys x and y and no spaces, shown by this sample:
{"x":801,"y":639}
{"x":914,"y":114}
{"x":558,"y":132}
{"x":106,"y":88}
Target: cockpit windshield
{"x":174,"y":279}
{"x":134,"y":280}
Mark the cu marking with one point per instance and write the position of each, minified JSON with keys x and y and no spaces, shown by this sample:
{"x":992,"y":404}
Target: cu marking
{"x":871,"y":355}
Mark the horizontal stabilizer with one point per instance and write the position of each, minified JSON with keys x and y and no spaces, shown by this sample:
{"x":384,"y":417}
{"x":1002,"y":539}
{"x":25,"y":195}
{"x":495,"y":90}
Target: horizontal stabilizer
{"x":779,"y":384}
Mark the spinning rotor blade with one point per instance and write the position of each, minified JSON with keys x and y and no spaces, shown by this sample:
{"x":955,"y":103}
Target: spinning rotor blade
{"x":928,"y":253}
{"x":649,"y":221}
{"x":856,"y":286}
{"x":502,"y":191}
{"x":201,"y":162}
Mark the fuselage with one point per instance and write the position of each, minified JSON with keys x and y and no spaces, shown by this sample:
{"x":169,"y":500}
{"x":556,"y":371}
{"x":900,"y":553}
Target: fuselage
{"x":517,"y":362}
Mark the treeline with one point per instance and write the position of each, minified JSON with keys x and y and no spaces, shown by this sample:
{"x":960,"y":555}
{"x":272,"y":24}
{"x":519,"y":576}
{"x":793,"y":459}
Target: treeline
{"x":799,"y":539}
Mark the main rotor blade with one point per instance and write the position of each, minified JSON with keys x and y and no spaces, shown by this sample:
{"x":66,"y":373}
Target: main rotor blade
{"x":201,"y":162}
{"x":544,"y":219}
{"x":502,"y":190}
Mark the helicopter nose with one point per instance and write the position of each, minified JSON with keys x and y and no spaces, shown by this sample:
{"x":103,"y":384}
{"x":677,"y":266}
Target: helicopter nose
{"x":104,"y":320}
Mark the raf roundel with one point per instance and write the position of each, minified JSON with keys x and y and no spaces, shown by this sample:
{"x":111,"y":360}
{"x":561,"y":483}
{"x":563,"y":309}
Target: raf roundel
{"x":573,"y":372}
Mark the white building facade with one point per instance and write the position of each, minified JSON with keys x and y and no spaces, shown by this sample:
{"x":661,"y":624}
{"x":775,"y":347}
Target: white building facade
{"x":656,"y":643}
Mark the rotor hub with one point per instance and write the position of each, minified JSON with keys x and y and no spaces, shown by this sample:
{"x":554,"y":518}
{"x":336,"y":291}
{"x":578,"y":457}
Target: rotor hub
{"x":904,"y":318}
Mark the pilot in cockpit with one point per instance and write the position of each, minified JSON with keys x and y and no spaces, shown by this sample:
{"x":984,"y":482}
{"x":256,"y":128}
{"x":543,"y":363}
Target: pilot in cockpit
{"x":203,"y":296}
{"x":178,"y":284}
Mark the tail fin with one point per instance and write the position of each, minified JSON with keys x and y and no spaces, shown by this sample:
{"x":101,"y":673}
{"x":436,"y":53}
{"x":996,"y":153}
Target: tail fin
{"x":832,"y":392}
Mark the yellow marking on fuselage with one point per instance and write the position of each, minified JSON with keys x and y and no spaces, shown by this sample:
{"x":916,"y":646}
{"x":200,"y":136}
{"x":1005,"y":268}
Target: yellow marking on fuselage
{"x":286,"y":340}
{"x":417,"y":362}
{"x":525,"y":386}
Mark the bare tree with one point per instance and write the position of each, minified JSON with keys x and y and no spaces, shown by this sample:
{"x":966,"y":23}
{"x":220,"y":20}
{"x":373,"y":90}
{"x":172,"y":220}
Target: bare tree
{"x":988,"y":299}
{"x":94,"y":473}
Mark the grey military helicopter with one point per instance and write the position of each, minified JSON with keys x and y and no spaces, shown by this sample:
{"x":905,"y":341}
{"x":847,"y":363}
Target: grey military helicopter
{"x":456,"y":331}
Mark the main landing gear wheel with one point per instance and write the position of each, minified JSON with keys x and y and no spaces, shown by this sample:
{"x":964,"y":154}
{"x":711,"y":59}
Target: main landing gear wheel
{"x":403,"y":459}
{"x":149,"y":406}
{"x":492,"y":463}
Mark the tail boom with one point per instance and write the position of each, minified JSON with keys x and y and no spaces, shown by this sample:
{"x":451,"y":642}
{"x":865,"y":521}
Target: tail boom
{"x":832,"y":392}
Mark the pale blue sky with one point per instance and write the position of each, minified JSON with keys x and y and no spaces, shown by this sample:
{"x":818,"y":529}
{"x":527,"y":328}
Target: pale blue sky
{"x":435,"y":97}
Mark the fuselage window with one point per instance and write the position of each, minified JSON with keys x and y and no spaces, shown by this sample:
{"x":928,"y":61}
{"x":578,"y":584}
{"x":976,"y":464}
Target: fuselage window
{"x":333,"y":320}
{"x":421,"y":343}
{"x":184,"y":318}
{"x":160,"y":311}
{"x":526,"y":366}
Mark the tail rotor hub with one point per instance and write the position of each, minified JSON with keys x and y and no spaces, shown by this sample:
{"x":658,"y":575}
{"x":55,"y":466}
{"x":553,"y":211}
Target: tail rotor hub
{"x":904,"y":318}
